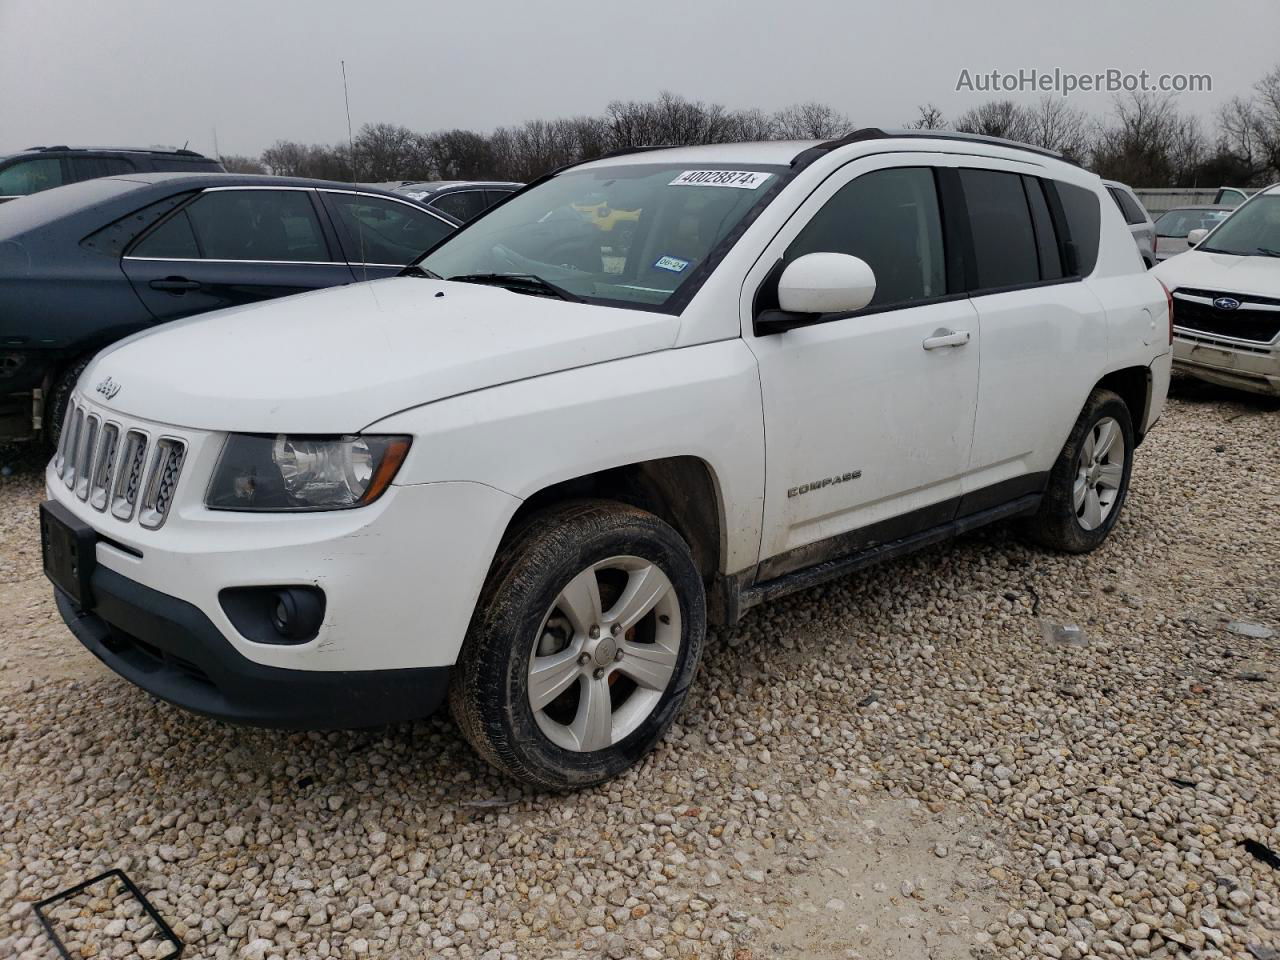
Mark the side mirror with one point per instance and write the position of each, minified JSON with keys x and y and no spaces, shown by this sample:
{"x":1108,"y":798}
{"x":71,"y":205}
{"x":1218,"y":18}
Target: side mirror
{"x":1195,"y":236}
{"x":826,"y":283}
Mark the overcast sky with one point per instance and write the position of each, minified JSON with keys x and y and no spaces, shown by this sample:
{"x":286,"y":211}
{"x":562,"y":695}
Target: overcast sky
{"x":143,"y":72}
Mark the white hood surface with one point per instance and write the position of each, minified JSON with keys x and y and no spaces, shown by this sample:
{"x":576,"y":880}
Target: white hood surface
{"x":337,"y":360}
{"x":1221,"y":271}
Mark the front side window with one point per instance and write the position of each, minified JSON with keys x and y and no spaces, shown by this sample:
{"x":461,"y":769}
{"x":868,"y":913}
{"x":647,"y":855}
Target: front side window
{"x":462,"y":206}
{"x":376,"y":230}
{"x":30,"y":176}
{"x":1004,"y":241}
{"x":890,"y":219}
{"x":623,"y":234}
{"x":1253,"y":230}
{"x":265,"y":225}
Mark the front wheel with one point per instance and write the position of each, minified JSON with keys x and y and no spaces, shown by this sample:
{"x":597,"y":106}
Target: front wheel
{"x":1089,"y":482}
{"x":584,"y":643}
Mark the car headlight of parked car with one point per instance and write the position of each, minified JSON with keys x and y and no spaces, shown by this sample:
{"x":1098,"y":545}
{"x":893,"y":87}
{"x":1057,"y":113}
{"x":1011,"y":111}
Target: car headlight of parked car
{"x":285,"y":473}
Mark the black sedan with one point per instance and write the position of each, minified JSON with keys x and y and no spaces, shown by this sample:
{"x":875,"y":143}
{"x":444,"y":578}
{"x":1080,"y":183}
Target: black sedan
{"x":83,"y":265}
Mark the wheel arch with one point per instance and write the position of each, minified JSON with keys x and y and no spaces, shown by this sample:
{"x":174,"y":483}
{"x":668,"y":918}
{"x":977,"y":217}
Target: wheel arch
{"x":683,"y":491}
{"x":1133,"y":385}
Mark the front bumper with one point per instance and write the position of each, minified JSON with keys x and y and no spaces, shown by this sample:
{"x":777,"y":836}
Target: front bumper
{"x":1251,"y":367}
{"x":169,"y":648}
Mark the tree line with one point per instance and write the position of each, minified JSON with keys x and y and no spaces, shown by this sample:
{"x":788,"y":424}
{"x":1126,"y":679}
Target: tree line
{"x":1145,"y":140}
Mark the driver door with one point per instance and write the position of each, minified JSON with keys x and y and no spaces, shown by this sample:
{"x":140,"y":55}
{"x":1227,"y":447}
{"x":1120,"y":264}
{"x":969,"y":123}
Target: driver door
{"x":869,"y":416}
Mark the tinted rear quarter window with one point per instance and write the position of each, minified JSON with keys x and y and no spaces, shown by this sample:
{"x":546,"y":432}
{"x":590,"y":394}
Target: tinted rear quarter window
{"x":1004,"y":241}
{"x":463,"y":205}
{"x":1083,"y":216}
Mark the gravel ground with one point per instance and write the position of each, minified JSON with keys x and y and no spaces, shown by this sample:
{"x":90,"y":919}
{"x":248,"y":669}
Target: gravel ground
{"x":905,"y":763}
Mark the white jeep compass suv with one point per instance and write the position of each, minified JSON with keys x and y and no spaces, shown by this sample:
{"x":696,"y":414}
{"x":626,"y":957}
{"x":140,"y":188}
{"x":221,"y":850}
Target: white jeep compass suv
{"x":529,"y":473}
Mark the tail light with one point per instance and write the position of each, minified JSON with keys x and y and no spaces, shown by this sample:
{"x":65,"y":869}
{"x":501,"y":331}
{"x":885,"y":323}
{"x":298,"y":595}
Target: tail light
{"x":1168,"y":297}
{"x":1155,"y":245}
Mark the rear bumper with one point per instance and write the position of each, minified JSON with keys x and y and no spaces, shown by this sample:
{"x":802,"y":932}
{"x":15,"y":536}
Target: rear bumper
{"x":1254,"y":369}
{"x":169,"y":648}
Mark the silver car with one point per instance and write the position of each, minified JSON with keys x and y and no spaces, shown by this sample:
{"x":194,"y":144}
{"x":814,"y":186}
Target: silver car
{"x":1135,"y":214}
{"x":1173,"y":226}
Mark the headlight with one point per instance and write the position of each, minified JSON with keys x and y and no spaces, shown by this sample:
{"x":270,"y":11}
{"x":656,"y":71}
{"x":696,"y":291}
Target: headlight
{"x":303,"y":473}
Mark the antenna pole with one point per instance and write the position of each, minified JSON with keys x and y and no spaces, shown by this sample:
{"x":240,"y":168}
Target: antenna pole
{"x":351,"y":152}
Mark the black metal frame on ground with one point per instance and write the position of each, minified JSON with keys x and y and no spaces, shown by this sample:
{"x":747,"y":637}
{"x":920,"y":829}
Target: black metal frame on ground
{"x":163,"y":930}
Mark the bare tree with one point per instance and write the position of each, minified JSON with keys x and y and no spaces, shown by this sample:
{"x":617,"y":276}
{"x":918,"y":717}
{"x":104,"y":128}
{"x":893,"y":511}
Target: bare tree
{"x":928,"y":117}
{"x":997,"y":118}
{"x":1055,"y":126}
{"x":1137,"y":145}
{"x":236,"y":163}
{"x":387,"y":151}
{"x":810,"y":121}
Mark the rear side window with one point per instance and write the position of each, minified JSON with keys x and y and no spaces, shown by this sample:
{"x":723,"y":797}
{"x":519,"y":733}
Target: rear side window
{"x":890,"y":219}
{"x":185,"y":165}
{"x":263,"y":225}
{"x":1133,"y":214}
{"x":464,"y":205}
{"x":1004,"y":241}
{"x":90,"y":168}
{"x":1083,"y":216}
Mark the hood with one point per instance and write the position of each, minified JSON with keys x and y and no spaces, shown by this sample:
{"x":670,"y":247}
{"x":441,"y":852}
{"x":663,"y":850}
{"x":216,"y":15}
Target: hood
{"x":336,"y":360}
{"x":1220,"y":271}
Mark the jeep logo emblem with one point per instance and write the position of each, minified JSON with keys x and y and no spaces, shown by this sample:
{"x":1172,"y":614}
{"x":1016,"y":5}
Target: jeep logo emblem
{"x":1227,"y":303}
{"x":108,"y":388}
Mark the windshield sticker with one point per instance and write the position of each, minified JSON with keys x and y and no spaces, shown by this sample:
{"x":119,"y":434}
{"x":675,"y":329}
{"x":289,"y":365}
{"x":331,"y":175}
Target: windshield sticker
{"x":674,"y":264}
{"x":741,"y":179}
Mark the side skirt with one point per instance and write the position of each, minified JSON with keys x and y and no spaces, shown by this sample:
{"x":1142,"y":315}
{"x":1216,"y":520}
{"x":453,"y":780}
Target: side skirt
{"x":739,"y":597}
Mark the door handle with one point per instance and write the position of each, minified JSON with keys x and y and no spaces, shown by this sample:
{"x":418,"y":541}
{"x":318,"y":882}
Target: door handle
{"x":174,"y":284}
{"x":946,"y":338}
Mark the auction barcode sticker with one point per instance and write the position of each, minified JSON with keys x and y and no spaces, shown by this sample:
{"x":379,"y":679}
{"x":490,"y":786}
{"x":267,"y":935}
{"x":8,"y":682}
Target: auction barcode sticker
{"x":742,"y":179}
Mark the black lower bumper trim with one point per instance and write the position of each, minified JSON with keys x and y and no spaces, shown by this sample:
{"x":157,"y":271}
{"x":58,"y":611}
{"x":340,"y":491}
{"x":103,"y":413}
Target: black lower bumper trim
{"x":169,"y":648}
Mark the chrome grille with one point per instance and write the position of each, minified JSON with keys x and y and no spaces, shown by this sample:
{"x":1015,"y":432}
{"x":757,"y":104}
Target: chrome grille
{"x":162,"y":479}
{"x":124,"y":491}
{"x":118,"y":467}
{"x":73,"y":448}
{"x":85,"y":450}
{"x":103,"y":465}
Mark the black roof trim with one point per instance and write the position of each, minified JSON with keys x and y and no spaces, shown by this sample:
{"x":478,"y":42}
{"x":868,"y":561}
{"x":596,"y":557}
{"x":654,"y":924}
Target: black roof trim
{"x":161,"y":151}
{"x":808,"y":156}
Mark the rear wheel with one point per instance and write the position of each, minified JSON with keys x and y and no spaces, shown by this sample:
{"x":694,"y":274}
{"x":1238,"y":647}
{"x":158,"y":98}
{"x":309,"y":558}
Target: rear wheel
{"x":1089,"y":482}
{"x":584,"y":643}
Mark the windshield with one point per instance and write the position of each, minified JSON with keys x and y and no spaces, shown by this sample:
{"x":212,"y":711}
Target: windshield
{"x":1252,"y":231}
{"x":1178,"y":223}
{"x":632,"y":234}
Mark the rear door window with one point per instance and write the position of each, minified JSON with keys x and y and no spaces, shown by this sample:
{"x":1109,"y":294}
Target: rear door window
{"x":463,"y":205}
{"x":90,"y":168}
{"x":1004,"y":240}
{"x":259,"y":225}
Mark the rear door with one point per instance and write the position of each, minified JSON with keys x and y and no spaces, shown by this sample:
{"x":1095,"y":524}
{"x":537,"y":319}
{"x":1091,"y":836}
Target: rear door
{"x":235,"y":245}
{"x":381,"y":235}
{"x":1044,"y":332}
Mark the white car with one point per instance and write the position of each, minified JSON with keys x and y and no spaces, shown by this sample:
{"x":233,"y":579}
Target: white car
{"x":1226,"y":298}
{"x":528,"y":473}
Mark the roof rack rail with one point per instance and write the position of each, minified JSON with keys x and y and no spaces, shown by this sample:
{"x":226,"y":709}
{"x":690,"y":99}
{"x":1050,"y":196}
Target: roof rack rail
{"x":809,"y":155}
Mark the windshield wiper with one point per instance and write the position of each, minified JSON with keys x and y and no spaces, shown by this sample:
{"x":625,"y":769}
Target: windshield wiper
{"x":418,"y":270}
{"x":529,"y":283}
{"x":1268,"y":252}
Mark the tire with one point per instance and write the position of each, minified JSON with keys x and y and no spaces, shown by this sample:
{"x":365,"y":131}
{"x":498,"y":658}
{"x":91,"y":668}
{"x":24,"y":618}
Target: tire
{"x":534,"y":613}
{"x":1088,"y":484}
{"x":55,"y":411}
